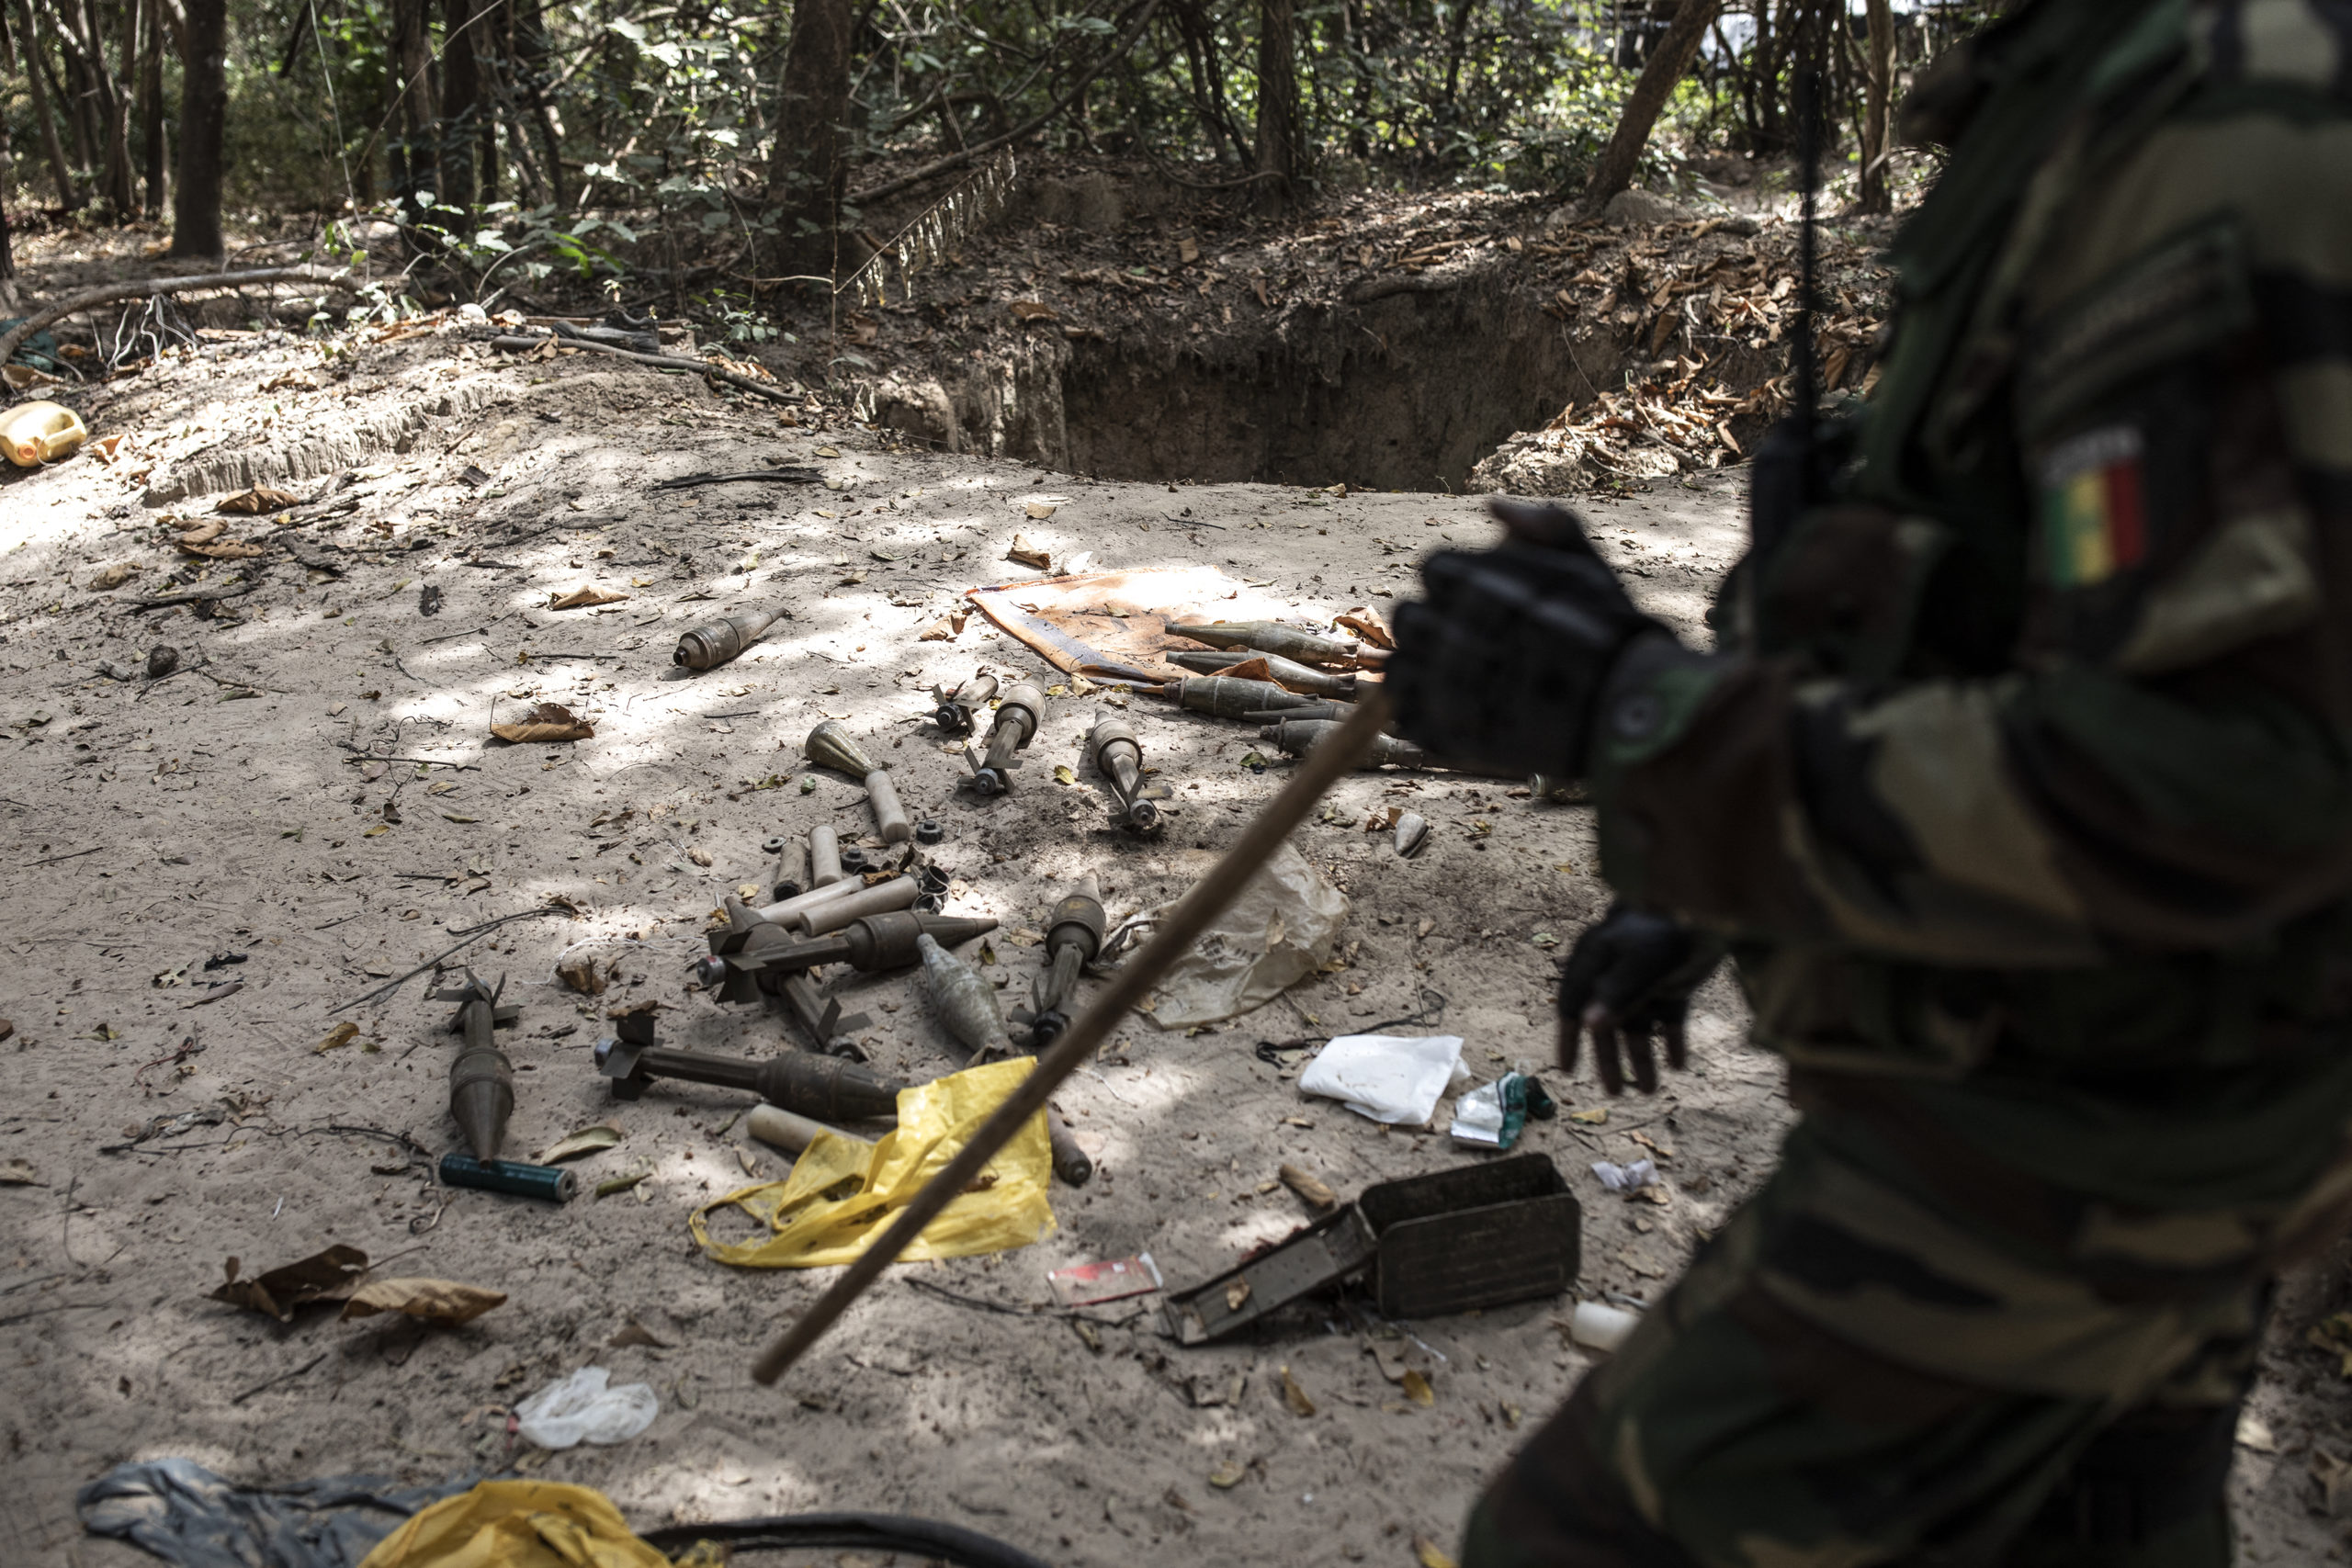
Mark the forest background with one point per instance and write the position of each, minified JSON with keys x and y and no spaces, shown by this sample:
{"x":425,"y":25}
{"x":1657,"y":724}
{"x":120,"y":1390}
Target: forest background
{"x":725,"y":151}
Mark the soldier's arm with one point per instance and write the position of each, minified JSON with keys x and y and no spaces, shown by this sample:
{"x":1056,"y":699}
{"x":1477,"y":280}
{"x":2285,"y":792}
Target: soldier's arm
{"x":2171,"y":764}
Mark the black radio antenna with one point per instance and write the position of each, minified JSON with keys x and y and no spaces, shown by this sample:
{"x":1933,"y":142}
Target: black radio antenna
{"x":1803,"y":375}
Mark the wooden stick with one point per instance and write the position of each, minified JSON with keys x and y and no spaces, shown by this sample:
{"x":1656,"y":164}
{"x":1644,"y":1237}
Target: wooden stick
{"x":195,"y":282}
{"x":1339,"y":753}
{"x":514,"y":344}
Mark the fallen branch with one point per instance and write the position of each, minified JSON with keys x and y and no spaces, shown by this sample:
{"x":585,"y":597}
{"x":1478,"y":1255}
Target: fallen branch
{"x":151,"y":288}
{"x":954,"y":161}
{"x":200,"y":596}
{"x":658,"y":361}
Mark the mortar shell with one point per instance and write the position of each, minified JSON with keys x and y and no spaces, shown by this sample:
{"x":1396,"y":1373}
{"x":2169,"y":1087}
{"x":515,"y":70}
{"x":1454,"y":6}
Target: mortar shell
{"x":789,"y":911}
{"x":482,"y":1096}
{"x":1330,"y":708}
{"x":1229,"y":696}
{"x":1295,"y":737}
{"x":964,"y":1003}
{"x":1288,"y":673}
{"x":831,"y":746}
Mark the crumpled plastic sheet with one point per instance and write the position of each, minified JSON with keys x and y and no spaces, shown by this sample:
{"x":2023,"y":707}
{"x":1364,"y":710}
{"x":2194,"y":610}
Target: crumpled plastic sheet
{"x":581,"y":1408}
{"x":1280,"y":931}
{"x":1625,"y":1178}
{"x":1389,"y":1077}
{"x":186,"y":1514}
{"x":1492,"y":1115}
{"x":518,"y":1524}
{"x":843,"y":1193}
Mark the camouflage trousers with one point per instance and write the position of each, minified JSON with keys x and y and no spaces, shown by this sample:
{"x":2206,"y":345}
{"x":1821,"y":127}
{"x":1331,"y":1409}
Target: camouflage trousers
{"x":1922,"y":1357}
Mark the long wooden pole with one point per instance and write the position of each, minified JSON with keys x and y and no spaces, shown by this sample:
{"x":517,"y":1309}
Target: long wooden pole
{"x":1210,"y":897}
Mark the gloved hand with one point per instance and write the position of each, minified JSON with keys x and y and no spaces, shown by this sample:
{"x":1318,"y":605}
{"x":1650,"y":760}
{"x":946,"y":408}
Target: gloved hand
{"x":1628,"y":981}
{"x":1502,"y":660}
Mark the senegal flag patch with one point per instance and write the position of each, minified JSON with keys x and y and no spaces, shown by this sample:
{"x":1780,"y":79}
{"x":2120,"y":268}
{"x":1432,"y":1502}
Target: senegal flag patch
{"x":2094,"y":516}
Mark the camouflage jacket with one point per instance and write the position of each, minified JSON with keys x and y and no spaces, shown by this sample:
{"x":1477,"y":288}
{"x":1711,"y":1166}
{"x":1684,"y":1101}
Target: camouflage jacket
{"x":2033,"y":750}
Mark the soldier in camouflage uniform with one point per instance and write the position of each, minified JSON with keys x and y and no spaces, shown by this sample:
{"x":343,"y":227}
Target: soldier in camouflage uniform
{"x":2020,"y":793}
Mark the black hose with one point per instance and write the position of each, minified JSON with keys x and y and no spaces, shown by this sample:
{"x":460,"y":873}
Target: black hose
{"x":866,"y":1532}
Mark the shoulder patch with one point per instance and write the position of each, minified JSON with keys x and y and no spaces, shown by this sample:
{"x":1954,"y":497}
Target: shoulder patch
{"x":2094,"y":512}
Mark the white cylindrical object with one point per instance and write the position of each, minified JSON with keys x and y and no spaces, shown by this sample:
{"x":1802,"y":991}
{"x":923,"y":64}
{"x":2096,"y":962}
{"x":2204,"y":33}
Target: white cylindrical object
{"x":1599,"y":1326}
{"x":890,"y":819}
{"x":789,"y":911}
{"x":789,"y":1130}
{"x":824,"y":857}
{"x":899,"y":893}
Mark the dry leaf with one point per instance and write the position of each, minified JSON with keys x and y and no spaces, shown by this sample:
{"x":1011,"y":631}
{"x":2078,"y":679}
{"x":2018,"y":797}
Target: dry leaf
{"x":1597,"y":1116}
{"x":18,"y":1173}
{"x":582,"y":975}
{"x":1033,"y":311}
{"x":581,"y":598}
{"x":260,"y":498}
{"x":548,"y":721}
{"x":1027,"y":554}
{"x":1064,"y":775}
{"x":1430,"y":1554}
{"x":1295,"y":1396}
{"x":1317,"y":1195}
{"x":1236,"y":1293}
{"x":328,"y":1275}
{"x":588,"y":1140}
{"x":635,"y":1333}
{"x":341,"y":1034}
{"x":1365,"y":626}
{"x":1226,"y":1476}
{"x":942,"y":629}
{"x":435,"y":1301}
{"x":1416,"y":1387}
{"x":1039,"y":509}
{"x":113,"y":577}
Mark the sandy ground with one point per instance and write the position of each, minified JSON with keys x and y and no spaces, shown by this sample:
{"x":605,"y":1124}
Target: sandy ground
{"x":152,"y":827}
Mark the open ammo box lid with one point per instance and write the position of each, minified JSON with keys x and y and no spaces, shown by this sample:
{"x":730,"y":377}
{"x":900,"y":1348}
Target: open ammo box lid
{"x":1478,"y":1236}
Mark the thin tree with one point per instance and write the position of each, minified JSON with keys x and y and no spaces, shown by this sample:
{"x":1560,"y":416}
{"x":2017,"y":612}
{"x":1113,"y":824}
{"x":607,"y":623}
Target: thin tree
{"x":1878,"y":84}
{"x":204,"y":114}
{"x":36,"y":81}
{"x":461,"y":104}
{"x":1668,"y":63}
{"x":150,"y":103}
{"x":1278,"y":156}
{"x":808,"y":170}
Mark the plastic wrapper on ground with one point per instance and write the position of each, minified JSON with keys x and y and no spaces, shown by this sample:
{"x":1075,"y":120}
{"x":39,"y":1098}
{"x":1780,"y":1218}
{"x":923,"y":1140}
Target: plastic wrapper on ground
{"x":586,"y":1407}
{"x":1280,"y":931}
{"x":1389,"y":1078}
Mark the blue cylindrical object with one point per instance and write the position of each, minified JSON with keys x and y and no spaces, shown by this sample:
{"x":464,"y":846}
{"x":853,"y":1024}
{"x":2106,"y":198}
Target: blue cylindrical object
{"x":551,"y":1182}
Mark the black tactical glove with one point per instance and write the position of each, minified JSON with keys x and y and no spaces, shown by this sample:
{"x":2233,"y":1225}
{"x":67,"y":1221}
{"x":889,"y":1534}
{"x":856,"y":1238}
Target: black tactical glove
{"x":1503,"y":658}
{"x":1628,"y":980}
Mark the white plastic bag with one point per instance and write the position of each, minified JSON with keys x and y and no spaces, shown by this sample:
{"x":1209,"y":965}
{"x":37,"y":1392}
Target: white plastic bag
{"x":1625,"y":1178}
{"x":1389,"y":1078}
{"x":579,"y":1408}
{"x":1279,"y":932}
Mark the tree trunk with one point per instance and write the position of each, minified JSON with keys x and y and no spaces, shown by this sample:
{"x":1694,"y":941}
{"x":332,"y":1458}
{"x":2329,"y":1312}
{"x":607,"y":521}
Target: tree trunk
{"x":8,"y":299}
{"x":530,"y":59}
{"x":416,"y":171}
{"x":1278,"y":160}
{"x":1615,"y":171}
{"x":151,"y":104}
{"x":36,"y":74}
{"x":809,"y":171}
{"x":204,"y":111}
{"x":460,"y":105}
{"x":1878,"y":82}
{"x":122,"y":184}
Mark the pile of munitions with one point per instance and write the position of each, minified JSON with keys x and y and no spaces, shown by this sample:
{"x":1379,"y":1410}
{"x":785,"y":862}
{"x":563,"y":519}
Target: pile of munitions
{"x":830,"y":904}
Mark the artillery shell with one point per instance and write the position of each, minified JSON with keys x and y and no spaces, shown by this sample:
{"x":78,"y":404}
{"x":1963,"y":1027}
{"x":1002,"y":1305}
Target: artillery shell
{"x":717,"y":642}
{"x":1331,"y":708}
{"x":824,"y":857}
{"x":1269,"y":637}
{"x":552,"y":1182}
{"x":899,"y":893}
{"x":890,"y":819}
{"x":788,"y":1130}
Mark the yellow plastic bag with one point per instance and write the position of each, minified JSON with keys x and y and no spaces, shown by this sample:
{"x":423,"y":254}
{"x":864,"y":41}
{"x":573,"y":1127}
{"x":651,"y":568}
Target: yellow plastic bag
{"x":516,"y":1524}
{"x":842,"y":1194}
